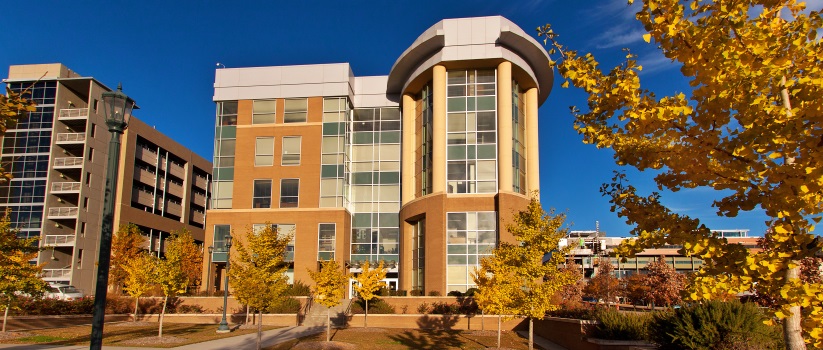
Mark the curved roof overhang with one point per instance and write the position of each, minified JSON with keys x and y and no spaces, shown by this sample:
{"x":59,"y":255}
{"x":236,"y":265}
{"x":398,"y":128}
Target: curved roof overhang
{"x":455,"y":40}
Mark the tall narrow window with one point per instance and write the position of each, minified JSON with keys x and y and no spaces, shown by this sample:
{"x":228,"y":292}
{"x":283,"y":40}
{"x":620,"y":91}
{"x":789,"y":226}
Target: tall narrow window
{"x":262,"y":194}
{"x":289,"y":189}
{"x":263,"y":112}
{"x":325,"y":241}
{"x":291,"y":150}
{"x":295,"y":110}
{"x":264,"y":151}
{"x":219,"y":243}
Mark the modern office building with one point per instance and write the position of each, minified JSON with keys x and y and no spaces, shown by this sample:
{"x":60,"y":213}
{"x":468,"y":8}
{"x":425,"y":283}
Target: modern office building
{"x":58,"y":156}
{"x":421,"y":168}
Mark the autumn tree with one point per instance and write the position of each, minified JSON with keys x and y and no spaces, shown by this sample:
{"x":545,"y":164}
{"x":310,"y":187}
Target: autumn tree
{"x":258,"y":272}
{"x":536,"y":280}
{"x":750,"y":127}
{"x":603,"y":286}
{"x":140,"y":275}
{"x":13,"y":107}
{"x":635,"y":289}
{"x":171,"y":275}
{"x":17,"y":275}
{"x":126,"y":245}
{"x":329,"y":288}
{"x":570,"y":296}
{"x":367,"y":283}
{"x":664,"y":283}
{"x":181,"y":247}
{"x":497,"y":285}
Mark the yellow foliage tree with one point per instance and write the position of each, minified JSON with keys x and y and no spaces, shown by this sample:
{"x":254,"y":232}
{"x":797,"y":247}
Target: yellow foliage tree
{"x":17,"y":275}
{"x":527,"y":278}
{"x":751,"y":127}
{"x":496,"y":287}
{"x":126,"y":245}
{"x":140,"y":274}
{"x":171,"y":274}
{"x":367,"y":283}
{"x":181,"y":247}
{"x":258,"y":272}
{"x":329,"y":288}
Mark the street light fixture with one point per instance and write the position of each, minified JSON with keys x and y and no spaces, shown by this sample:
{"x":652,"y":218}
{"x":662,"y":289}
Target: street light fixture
{"x":117,"y":107}
{"x":224,"y":325}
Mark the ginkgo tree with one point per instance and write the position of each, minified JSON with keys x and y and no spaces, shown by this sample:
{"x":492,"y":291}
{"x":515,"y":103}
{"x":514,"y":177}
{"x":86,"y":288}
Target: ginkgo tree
{"x":368,"y":282}
{"x":17,"y":275}
{"x":751,"y":127}
{"x":527,"y":271}
{"x":329,"y":288}
{"x":140,"y":274}
{"x":126,"y":246}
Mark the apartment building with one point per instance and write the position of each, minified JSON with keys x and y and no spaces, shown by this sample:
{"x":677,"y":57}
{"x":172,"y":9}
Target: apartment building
{"x":421,"y":168}
{"x":58,"y":156}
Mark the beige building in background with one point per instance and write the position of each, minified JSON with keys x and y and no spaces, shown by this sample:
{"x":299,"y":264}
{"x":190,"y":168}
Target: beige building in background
{"x":421,"y":169}
{"x":58,"y":157}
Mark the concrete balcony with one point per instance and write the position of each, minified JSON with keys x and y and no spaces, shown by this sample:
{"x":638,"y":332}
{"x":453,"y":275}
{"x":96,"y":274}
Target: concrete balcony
{"x":174,"y":189}
{"x":143,"y":198}
{"x":68,"y":163}
{"x":177,"y":171}
{"x":73,"y":114}
{"x":145,"y":176}
{"x":198,"y":199}
{"x":50,"y":275}
{"x":200,"y":182}
{"x":58,"y":241}
{"x":63,"y":213}
{"x":174,"y":208}
{"x":71,"y":138}
{"x":145,"y":155}
{"x":65,"y":187}
{"x":198,"y":217}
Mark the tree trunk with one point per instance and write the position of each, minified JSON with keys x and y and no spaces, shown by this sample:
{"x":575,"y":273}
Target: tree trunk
{"x":483,"y":321}
{"x":531,"y":333}
{"x":5,"y":317}
{"x":792,"y":333}
{"x":162,"y":313}
{"x":247,"y":314}
{"x":259,"y":328}
{"x":328,"y":325}
{"x":499,"y":324}
{"x":366,"y":318}
{"x":136,"y":304}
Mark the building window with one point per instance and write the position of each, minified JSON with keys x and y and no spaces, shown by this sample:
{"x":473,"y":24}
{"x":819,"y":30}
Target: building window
{"x":471,"y":127}
{"x":80,"y":258}
{"x":296,"y":110}
{"x":325,"y":241}
{"x":224,"y":148}
{"x":291,"y":150}
{"x":82,"y":229}
{"x":219,"y":242}
{"x":289,"y":189}
{"x":262,"y":194}
{"x":86,"y":203}
{"x":518,"y":140}
{"x":334,"y":156}
{"x":91,"y":154}
{"x":88,"y":178}
{"x":418,"y":255}
{"x":264,"y":151}
{"x":263,"y":111}
{"x":471,"y":236}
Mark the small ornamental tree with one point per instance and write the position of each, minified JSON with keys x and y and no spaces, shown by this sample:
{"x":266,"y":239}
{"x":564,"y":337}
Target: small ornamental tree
{"x":126,"y":246}
{"x":170,"y":276}
{"x":141,"y":272}
{"x":368,"y":282}
{"x":497,"y":286}
{"x":258,"y":272}
{"x":329,"y":288}
{"x":538,"y":279}
{"x":636,"y":289}
{"x":182,"y":248}
{"x":664,"y":283}
{"x":749,"y":127}
{"x":603,"y":286}
{"x":17,"y":275}
{"x":571,"y":295}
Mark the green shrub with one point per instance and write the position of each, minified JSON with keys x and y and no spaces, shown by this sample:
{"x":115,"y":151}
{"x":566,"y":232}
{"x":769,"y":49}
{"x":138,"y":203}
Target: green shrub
{"x":423,"y":308}
{"x":189,"y":309}
{"x":434,"y":293}
{"x":582,"y":313}
{"x":417,"y":293}
{"x":715,"y":325}
{"x":287,"y":306}
{"x":470,"y":292}
{"x":376,"y":306}
{"x":48,"y":306}
{"x":455,"y":293}
{"x":616,"y":325}
{"x":298,"y":289}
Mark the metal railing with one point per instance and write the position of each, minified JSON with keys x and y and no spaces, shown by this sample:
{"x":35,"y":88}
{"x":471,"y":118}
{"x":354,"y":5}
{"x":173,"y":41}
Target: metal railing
{"x":58,"y":240}
{"x":71,"y":137}
{"x":65,"y":186}
{"x":73,"y":113}
{"x":68,"y":161}
{"x":66,"y":212}
{"x":56,"y":273}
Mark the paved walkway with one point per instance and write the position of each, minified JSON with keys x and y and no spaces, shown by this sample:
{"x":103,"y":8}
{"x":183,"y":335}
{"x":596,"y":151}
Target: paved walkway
{"x":543,"y":343}
{"x":246,"y":341}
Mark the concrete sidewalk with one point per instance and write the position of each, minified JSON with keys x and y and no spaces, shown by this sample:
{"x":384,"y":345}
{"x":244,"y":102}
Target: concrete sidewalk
{"x":246,"y":341}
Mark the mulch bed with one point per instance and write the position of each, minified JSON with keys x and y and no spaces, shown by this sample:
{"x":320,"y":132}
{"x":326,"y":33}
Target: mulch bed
{"x":324,"y":345}
{"x":12,"y":335}
{"x":155,"y":340}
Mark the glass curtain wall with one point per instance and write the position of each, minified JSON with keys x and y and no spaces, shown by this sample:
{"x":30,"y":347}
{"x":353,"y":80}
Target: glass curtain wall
{"x":471,"y":127}
{"x":423,"y":142}
{"x":224,"y":146}
{"x":471,"y":236}
{"x":25,"y":155}
{"x":375,"y":184}
{"x":334,"y":158}
{"x":518,"y":140}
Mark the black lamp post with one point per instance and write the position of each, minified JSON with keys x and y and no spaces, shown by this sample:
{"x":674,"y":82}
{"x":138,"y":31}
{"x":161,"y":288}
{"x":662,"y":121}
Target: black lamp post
{"x":117,"y":107}
{"x":224,"y":325}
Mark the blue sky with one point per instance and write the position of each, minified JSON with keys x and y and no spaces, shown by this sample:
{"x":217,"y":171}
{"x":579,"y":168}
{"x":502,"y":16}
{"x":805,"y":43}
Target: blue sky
{"x":165,"y":54}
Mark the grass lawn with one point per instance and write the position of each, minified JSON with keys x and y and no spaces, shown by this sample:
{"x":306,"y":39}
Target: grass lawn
{"x":115,"y":335}
{"x":391,"y":338}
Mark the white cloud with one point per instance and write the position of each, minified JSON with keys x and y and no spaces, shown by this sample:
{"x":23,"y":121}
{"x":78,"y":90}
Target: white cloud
{"x":619,"y":36}
{"x":624,"y":30}
{"x":654,"y":61}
